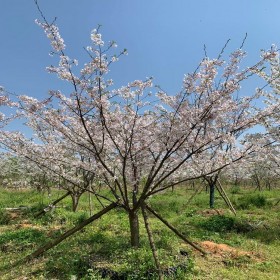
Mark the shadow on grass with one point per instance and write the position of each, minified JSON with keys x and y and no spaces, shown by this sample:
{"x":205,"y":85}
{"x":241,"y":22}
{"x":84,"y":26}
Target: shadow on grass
{"x":222,"y":224}
{"x":264,"y":234}
{"x":21,"y":239}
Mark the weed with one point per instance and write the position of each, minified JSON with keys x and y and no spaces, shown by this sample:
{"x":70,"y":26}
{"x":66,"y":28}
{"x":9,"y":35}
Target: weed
{"x":93,"y":274}
{"x":265,"y":235}
{"x":243,"y":226}
{"x":21,"y":240}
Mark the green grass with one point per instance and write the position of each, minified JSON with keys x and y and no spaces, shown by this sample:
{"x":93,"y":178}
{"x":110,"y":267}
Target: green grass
{"x":104,"y":244}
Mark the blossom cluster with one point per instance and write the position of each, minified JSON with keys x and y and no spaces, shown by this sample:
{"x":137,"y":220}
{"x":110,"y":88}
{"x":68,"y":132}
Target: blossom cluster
{"x":137,"y":140}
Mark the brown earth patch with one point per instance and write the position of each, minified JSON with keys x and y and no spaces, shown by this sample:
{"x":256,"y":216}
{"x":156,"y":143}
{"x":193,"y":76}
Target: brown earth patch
{"x":222,"y":251}
{"x":14,"y":215}
{"x":211,"y":212}
{"x":53,"y":230}
{"x":27,"y":224}
{"x":50,"y":231}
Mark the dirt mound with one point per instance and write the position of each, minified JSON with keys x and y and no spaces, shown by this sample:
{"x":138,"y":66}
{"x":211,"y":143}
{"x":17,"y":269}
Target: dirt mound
{"x":211,"y":212}
{"x":224,"y":250}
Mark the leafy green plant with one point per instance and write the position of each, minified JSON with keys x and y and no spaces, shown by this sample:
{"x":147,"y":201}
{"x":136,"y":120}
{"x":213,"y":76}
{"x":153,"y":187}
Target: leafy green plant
{"x":82,"y":217}
{"x":235,"y":190}
{"x":4,"y":218}
{"x":256,"y":200}
{"x":93,"y":274}
{"x":27,"y":235}
{"x":218,"y":223}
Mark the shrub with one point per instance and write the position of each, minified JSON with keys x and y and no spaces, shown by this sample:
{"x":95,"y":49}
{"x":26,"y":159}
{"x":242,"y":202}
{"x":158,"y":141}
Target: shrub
{"x":257,"y":200}
{"x":218,"y":223}
{"x":243,"y":226}
{"x":235,"y":190}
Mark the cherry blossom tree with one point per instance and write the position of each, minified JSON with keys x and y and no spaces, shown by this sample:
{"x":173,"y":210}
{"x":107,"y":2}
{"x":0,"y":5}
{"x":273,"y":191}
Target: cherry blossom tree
{"x":237,"y":174}
{"x":260,"y":165}
{"x":52,"y":164}
{"x":138,"y":140}
{"x":17,"y":173}
{"x":263,"y":166}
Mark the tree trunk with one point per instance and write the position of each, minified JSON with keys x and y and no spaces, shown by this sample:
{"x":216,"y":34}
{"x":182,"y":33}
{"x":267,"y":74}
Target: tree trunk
{"x":268,"y":185}
{"x":236,"y":182}
{"x":75,"y":200}
{"x":258,"y":182}
{"x":211,"y":195}
{"x":134,"y":229}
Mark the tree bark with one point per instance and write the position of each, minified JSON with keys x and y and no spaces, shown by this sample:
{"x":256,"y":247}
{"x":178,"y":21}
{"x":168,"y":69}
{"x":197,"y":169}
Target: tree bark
{"x":134,"y":222}
{"x":257,"y":181}
{"x":70,"y":232}
{"x":75,"y":200}
{"x":134,"y":228}
{"x":212,"y":195}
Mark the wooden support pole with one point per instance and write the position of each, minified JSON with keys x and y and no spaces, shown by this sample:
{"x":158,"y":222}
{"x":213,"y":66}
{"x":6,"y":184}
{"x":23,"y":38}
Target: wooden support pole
{"x":225,"y":197}
{"x":152,"y":243}
{"x":176,"y":231}
{"x":46,"y":209}
{"x":70,"y":232}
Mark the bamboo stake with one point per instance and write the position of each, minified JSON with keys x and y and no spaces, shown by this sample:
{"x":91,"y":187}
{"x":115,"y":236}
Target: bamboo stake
{"x":225,"y":197}
{"x":152,"y":243}
{"x":277,"y":202}
{"x":46,"y":209}
{"x":90,"y":203}
{"x":176,"y":231}
{"x":70,"y":232}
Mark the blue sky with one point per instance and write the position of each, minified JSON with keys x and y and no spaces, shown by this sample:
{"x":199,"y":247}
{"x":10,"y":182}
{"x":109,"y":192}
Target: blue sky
{"x":164,"y":38}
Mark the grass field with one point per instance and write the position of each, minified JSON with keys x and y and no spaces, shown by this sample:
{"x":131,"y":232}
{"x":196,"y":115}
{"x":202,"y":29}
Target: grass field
{"x":245,"y":246}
